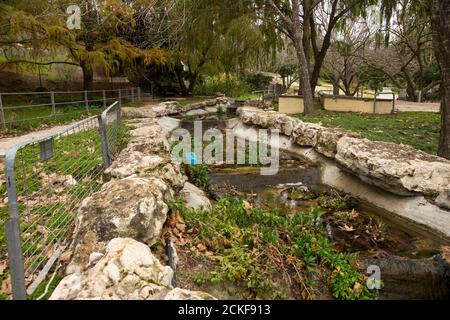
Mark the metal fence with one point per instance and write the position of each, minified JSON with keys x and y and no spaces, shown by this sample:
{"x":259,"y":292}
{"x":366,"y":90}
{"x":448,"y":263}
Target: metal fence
{"x":25,"y":107}
{"x":46,"y":181}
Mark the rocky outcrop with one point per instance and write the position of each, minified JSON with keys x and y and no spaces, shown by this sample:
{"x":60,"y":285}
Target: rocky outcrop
{"x":194,"y":197}
{"x":134,"y":203}
{"x":196,"y":112}
{"x":167,"y":108}
{"x":125,"y":270}
{"x":137,"y":163}
{"x":443,"y":200}
{"x":324,"y":140}
{"x":328,"y":138}
{"x":168,"y":124}
{"x":136,"y":113}
{"x":399,"y":169}
{"x":305,"y":134}
{"x":173,"y":107}
{"x":147,"y":137}
{"x":133,"y":207}
{"x":110,"y":256}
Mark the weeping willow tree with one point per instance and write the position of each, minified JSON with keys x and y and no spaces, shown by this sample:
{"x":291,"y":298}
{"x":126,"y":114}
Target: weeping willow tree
{"x":217,"y":36}
{"x":42,"y":28}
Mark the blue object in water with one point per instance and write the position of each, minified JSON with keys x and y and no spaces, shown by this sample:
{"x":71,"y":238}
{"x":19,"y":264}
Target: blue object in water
{"x":191,"y":158}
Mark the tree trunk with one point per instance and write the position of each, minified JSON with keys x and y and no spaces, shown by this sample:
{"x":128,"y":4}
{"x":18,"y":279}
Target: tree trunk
{"x":302,"y":62}
{"x":88,"y":77}
{"x":183,"y":88}
{"x":88,"y":69}
{"x":440,"y":22}
{"x":307,"y":32}
{"x":335,"y":88}
{"x":192,"y":82}
{"x":410,"y":87}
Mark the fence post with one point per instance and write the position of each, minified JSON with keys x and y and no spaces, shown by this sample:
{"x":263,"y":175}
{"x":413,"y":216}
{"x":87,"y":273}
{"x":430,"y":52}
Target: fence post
{"x":132,"y":94}
{"x":120,"y":98}
{"x":374,"y":102}
{"x":139,"y":93}
{"x":86,"y":101}
{"x":104,"y":140}
{"x":104,"y":98}
{"x":119,"y":114}
{"x":12,"y":226}
{"x":2,"y":113}
{"x":52,"y":97}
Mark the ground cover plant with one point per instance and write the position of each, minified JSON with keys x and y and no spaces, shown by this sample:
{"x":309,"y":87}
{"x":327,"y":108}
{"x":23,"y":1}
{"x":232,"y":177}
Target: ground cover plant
{"x":262,"y":254}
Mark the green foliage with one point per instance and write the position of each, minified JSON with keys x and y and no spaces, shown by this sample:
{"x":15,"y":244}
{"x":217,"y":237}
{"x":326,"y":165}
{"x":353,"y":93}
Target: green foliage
{"x":230,"y":85}
{"x":258,"y":81}
{"x":198,"y":175}
{"x":288,"y":70}
{"x":334,"y":203}
{"x":252,"y":247}
{"x":373,"y":79}
{"x":41,"y":288}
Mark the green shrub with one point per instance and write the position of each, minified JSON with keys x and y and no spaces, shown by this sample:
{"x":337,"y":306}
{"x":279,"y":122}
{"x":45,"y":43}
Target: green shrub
{"x":258,"y":81}
{"x":198,"y":175}
{"x":231,"y":86}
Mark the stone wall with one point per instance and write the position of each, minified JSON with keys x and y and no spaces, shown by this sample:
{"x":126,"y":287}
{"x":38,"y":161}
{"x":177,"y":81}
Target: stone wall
{"x":290,"y":104}
{"x":404,"y":179}
{"x":173,"y":107}
{"x":110,"y":255}
{"x":353,"y":104}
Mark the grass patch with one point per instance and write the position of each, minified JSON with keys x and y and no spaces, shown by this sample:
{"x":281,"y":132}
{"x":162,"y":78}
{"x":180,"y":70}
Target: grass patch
{"x":50,"y":192}
{"x":248,"y":96}
{"x":41,"y":288}
{"x":24,"y":120}
{"x":417,"y":129}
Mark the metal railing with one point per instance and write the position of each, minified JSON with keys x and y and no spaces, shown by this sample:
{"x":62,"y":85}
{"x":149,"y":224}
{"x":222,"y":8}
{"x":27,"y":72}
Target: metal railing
{"x":47,"y":179}
{"x":23,"y":107}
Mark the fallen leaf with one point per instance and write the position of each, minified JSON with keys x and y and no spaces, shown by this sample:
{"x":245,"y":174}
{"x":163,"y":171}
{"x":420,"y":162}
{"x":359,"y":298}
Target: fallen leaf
{"x":201,"y":247}
{"x":3,"y":265}
{"x":65,"y":256}
{"x":180,"y":226}
{"x":346,"y":228}
{"x":357,"y":286}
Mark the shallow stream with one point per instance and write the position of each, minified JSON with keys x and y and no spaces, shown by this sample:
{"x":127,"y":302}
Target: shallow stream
{"x":353,"y":226}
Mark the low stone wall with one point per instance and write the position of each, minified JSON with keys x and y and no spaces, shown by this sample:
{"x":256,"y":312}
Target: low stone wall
{"x":110,"y":255}
{"x":174,"y":107}
{"x":290,"y":104}
{"x":400,"y":176}
{"x":352,"y":104}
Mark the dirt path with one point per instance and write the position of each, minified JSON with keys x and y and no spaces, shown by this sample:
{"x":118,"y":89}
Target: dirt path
{"x":408,"y":106}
